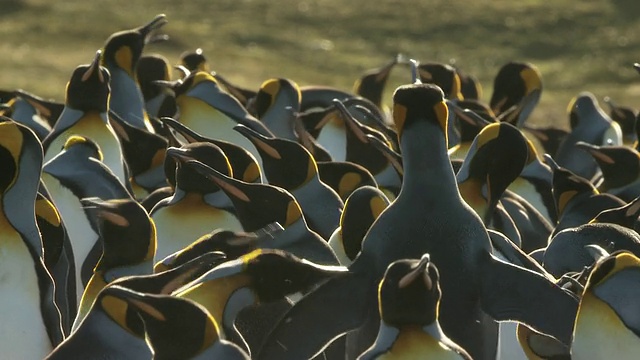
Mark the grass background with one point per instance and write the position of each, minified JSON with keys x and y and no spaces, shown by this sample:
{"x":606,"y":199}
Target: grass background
{"x":577,"y":45}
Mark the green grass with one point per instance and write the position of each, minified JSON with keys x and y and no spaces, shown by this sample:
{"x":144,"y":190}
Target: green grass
{"x":577,"y":45}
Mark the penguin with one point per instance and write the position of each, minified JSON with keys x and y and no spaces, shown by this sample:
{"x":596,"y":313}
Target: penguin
{"x":121,"y":53}
{"x":626,"y":118}
{"x":577,"y":200}
{"x":535,"y":185}
{"x":443,"y":75}
{"x":178,"y":328}
{"x":75,"y":173}
{"x":471,"y":117}
{"x":409,"y":299}
{"x":547,"y":140}
{"x":395,"y":159}
{"x":230,"y":244}
{"x":31,"y":320}
{"x":470,"y":86}
{"x":626,"y":215}
{"x":568,"y":250}
{"x":620,"y":167}
{"x":606,"y":325}
{"x":48,"y":110}
{"x":359,"y":148}
{"x":495,"y":158}
{"x":197,"y":205}
{"x":437,"y":222}
{"x":361,"y":209}
{"x":590,"y":124}
{"x":516,"y":92}
{"x":372,"y":83}
{"x":196,"y":61}
{"x":58,"y":258}
{"x":109,"y":330}
{"x":158,"y":101}
{"x":309,"y":142}
{"x":537,"y":346}
{"x":289,"y":165}
{"x":86,"y":114}
{"x":261,"y":276}
{"x":144,"y":153}
{"x":128,"y":238}
{"x":24,"y":112}
{"x":208,"y":110}
{"x":344,"y":177}
{"x":245,"y":167}
{"x":276,"y":105}
{"x":258,"y":205}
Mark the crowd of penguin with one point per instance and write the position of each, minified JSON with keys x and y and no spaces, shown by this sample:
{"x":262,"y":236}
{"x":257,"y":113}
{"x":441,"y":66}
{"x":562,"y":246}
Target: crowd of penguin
{"x":150,"y":216}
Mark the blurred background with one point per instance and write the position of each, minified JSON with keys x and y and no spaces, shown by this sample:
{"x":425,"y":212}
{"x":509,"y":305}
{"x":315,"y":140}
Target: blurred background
{"x":577,"y":45}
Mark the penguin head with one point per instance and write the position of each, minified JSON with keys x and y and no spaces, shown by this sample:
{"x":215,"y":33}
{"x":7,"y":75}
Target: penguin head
{"x":277,"y":93}
{"x":127,"y":232}
{"x":419,"y":103}
{"x":409,"y":292}
{"x":150,"y":69}
{"x":257,"y":205}
{"x":443,"y":75}
{"x":82,"y":147}
{"x":124,"y":48}
{"x":620,"y":165}
{"x":88,"y":89}
{"x":567,"y":186}
{"x":192,"y":80}
{"x":585,"y":113}
{"x":286,"y":163}
{"x":20,"y":155}
{"x":371,"y":84}
{"x":175,"y":328}
{"x":188,"y":178}
{"x":623,"y":115}
{"x":361,"y":209}
{"x":112,"y":301}
{"x":496,"y":158}
{"x":243,"y":164}
{"x":516,"y":91}
{"x":194,"y":60}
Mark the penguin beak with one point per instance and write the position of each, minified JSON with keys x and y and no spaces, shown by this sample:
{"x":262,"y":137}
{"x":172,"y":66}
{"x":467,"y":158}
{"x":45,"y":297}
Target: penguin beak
{"x":420,"y":269}
{"x":184,"y":131}
{"x":94,"y":67}
{"x":224,"y":182}
{"x":259,"y":140}
{"x":394,"y":158}
{"x":353,"y":124}
{"x":179,"y":154}
{"x":156,"y":23}
{"x":206,"y":261}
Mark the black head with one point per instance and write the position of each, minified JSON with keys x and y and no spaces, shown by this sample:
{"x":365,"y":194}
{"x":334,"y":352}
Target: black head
{"x":188,"y":178}
{"x":419,"y":102}
{"x":127,"y":232}
{"x":286,"y":163}
{"x":514,"y":81}
{"x":194,"y":60}
{"x":567,"y":186}
{"x":270,"y":90}
{"x":88,"y":89}
{"x":361,"y":209}
{"x":345,"y":177}
{"x":409,"y":293}
{"x":150,"y":69}
{"x":371,"y":84}
{"x":443,"y":75}
{"x":620,"y":165}
{"x":124,"y":48}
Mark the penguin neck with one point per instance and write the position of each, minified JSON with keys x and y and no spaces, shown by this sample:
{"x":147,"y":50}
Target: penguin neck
{"x":426,"y":161}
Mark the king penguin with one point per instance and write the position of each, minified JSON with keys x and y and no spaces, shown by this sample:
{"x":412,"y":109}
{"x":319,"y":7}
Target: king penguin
{"x":197,"y":205}
{"x":128,"y":238}
{"x":429,"y":216}
{"x":607,"y":324}
{"x":75,"y":173}
{"x":86,"y":114}
{"x":31,"y":322}
{"x":516,"y":92}
{"x":289,"y":165}
{"x":122,"y":50}
{"x":409,"y":300}
{"x":277,"y":105}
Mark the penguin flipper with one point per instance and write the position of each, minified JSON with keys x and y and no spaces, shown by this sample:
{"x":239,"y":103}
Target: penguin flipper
{"x":510,"y":292}
{"x":337,"y":306}
{"x":514,"y":254}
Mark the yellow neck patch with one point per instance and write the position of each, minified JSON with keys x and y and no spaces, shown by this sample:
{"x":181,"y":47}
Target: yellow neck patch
{"x":124,"y":59}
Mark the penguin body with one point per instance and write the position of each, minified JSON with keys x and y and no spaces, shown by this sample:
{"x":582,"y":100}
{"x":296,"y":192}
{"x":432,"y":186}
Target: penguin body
{"x":30,"y":319}
{"x":77,"y":172}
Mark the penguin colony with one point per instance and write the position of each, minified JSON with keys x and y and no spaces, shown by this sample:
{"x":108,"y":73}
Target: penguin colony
{"x":151,"y":216}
